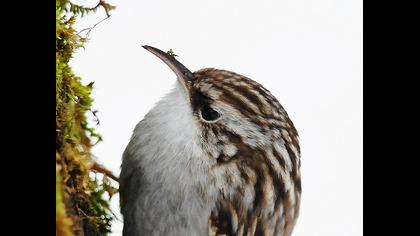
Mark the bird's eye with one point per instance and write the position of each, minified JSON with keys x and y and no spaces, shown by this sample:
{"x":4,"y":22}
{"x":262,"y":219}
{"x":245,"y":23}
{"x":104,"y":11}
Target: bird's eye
{"x":209,"y":114}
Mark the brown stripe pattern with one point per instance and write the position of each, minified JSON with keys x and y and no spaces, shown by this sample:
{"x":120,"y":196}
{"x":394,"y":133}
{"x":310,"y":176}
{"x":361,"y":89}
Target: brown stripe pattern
{"x":256,"y":148}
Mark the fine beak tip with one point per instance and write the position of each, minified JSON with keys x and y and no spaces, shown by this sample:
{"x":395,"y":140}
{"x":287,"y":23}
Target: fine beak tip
{"x":180,"y":70}
{"x":154,"y":50}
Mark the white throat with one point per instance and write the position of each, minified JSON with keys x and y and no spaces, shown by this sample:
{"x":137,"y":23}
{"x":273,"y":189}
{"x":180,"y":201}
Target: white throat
{"x":165,"y":156}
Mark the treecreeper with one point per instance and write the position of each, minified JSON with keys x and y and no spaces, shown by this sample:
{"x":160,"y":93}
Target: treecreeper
{"x":218,"y":155}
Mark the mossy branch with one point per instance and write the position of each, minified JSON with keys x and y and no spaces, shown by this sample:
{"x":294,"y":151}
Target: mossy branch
{"x":81,"y":207}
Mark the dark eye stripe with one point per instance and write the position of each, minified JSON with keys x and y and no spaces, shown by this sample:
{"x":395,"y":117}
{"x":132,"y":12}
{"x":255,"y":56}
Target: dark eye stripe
{"x":198,"y":100}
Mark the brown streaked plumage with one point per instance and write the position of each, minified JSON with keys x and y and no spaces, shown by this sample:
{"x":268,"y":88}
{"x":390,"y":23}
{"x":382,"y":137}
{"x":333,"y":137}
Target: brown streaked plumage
{"x":252,"y":182}
{"x":261,"y":108}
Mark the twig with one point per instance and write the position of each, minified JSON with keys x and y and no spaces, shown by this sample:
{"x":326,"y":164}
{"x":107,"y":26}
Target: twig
{"x":96,"y":117}
{"x":101,"y":169}
{"x":107,"y":7}
{"x":89,"y":29}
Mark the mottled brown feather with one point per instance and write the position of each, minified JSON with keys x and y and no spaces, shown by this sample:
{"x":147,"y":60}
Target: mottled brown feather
{"x":231,"y":215}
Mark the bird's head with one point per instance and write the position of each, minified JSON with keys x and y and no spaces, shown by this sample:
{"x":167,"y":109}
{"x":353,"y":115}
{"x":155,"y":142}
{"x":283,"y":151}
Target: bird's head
{"x":235,"y":114}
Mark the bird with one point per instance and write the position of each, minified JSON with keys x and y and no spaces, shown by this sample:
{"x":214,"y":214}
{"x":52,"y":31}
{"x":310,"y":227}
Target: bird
{"x":218,"y":155}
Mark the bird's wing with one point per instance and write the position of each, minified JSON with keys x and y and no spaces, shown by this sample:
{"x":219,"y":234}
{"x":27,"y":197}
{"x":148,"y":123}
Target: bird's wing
{"x":230,"y":218}
{"x":263,"y":201}
{"x":224,"y":221}
{"x":227,"y":220}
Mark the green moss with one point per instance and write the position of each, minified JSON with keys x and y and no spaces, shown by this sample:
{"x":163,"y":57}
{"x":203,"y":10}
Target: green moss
{"x":81,"y":206}
{"x":63,"y":222}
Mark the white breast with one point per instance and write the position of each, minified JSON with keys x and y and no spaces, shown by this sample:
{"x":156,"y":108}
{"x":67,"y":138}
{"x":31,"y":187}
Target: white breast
{"x":164,"y":173}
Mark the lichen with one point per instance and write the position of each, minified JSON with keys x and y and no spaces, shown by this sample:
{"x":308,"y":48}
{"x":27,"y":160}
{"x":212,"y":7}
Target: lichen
{"x":171,"y":53}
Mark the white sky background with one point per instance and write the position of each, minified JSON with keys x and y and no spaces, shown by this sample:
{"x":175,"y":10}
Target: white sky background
{"x":307,"y":53}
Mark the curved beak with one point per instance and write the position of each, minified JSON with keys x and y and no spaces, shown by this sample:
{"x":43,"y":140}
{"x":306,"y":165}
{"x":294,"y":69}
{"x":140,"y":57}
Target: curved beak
{"x":184,"y":75}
